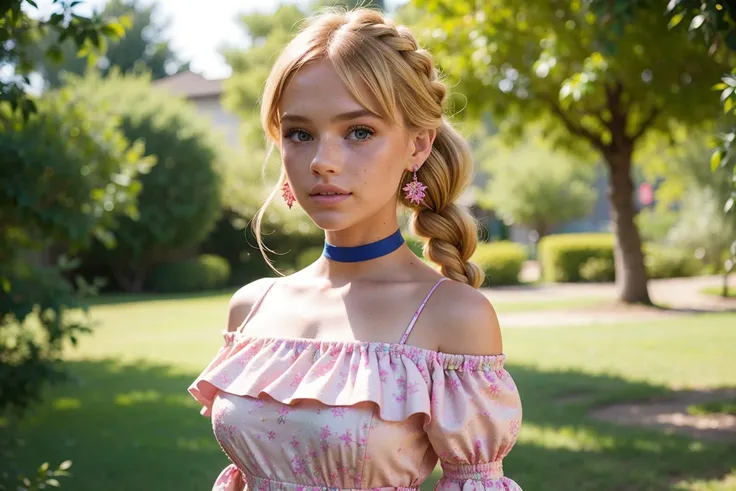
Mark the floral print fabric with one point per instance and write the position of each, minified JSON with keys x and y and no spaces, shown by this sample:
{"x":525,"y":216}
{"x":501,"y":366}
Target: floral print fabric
{"x":308,"y":414}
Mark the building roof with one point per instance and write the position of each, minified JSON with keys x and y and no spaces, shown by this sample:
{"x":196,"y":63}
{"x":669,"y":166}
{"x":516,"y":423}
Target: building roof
{"x":190,"y":85}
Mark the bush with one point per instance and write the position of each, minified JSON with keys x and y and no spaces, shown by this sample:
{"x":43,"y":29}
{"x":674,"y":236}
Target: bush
{"x":598,"y":269}
{"x":308,"y":256}
{"x":181,"y":197}
{"x":563,"y":255}
{"x":670,"y":262}
{"x":501,"y":262}
{"x":204,"y":272}
{"x":233,"y":239}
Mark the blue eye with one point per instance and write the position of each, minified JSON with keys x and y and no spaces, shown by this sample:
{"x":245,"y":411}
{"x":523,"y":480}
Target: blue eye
{"x":298,"y":136}
{"x":361,"y":133}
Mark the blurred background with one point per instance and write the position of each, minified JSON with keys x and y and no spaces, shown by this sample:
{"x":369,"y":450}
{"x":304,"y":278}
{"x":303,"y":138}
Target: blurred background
{"x":132,"y":162}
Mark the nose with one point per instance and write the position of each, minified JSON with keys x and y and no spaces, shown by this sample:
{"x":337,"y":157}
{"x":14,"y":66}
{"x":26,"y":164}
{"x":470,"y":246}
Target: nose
{"x":328,"y":159}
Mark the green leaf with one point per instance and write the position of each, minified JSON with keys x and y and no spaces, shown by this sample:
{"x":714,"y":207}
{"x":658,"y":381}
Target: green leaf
{"x":676,"y":19}
{"x":32,"y":3}
{"x":720,"y":86}
{"x":728,"y":105}
{"x":114,"y":29}
{"x":715,"y":160}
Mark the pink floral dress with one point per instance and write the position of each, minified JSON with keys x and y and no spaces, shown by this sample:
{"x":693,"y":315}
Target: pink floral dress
{"x":307,"y":415}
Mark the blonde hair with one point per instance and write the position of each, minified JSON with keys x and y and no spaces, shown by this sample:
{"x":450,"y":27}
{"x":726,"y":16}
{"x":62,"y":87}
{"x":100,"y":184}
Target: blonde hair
{"x":368,"y":50}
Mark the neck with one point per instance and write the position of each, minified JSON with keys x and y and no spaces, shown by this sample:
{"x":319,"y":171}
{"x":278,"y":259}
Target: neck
{"x":381,"y":268}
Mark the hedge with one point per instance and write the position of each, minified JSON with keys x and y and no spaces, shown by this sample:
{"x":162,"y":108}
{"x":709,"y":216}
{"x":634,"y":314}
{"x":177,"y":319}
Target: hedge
{"x":590,"y":257}
{"x":200,"y":273}
{"x":501,"y":262}
{"x":563,"y":255}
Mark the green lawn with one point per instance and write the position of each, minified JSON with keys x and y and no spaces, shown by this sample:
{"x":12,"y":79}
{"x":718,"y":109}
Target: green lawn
{"x":718,"y":291}
{"x":128,"y":423}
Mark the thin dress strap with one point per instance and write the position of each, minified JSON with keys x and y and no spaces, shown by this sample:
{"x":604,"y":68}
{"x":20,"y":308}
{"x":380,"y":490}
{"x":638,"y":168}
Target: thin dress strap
{"x":256,"y":305}
{"x":419,"y":311}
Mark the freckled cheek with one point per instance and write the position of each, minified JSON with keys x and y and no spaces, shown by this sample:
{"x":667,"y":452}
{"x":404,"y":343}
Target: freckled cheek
{"x":296,"y":160}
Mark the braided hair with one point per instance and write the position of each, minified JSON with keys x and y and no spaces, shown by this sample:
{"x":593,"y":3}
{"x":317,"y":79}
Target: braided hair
{"x":368,"y":50}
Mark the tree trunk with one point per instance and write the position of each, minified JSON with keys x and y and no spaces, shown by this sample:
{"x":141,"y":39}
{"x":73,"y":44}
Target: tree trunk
{"x":631,"y":276}
{"x":724,"y":292}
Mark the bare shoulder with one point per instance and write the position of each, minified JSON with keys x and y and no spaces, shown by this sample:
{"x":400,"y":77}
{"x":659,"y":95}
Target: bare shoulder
{"x":243,"y":301}
{"x":466,"y":322}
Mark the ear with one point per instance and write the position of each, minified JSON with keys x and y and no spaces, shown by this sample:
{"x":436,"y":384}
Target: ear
{"x":420,"y":145}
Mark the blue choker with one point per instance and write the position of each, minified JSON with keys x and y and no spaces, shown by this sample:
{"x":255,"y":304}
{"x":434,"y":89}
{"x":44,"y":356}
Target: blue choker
{"x":364,"y":252}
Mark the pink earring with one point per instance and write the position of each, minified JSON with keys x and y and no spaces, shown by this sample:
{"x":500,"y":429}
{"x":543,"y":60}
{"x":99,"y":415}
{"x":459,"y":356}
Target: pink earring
{"x":287,"y":194}
{"x":415,"y":189}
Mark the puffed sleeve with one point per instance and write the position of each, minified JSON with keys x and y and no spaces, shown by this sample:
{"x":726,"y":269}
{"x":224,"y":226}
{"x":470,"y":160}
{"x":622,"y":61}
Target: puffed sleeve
{"x":476,"y":414}
{"x":230,"y":479}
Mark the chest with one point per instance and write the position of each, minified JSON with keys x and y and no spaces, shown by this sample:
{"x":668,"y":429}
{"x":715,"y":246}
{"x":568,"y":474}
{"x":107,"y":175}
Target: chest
{"x":308,"y":441}
{"x":368,"y":313}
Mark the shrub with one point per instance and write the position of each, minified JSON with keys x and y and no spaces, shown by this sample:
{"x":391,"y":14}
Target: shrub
{"x":180,"y":199}
{"x":66,"y":175}
{"x":670,"y":262}
{"x":563,"y":255}
{"x":598,"y":269}
{"x":308,"y":256}
{"x":501,"y":262}
{"x":233,"y":239}
{"x":204,"y":272}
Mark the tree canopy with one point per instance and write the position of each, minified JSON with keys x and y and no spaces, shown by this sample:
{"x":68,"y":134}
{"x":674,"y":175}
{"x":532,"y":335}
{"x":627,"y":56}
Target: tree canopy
{"x":143,"y":47}
{"x":21,"y":32}
{"x":590,"y":90}
{"x":533,"y":185}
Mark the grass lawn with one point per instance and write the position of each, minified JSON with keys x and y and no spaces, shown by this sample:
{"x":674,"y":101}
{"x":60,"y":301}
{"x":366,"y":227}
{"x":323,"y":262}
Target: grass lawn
{"x":719,"y":407}
{"x":717,"y":290}
{"x":127,"y":422}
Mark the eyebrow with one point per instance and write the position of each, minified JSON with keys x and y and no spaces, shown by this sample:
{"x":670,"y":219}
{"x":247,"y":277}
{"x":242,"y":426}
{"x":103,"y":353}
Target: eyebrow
{"x":296,"y":118}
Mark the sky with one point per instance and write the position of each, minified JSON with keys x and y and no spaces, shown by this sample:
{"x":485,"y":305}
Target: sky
{"x":198,"y":28}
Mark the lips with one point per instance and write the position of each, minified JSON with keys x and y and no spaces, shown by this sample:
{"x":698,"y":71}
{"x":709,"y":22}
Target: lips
{"x":328,"y":190}
{"x":328,"y":194}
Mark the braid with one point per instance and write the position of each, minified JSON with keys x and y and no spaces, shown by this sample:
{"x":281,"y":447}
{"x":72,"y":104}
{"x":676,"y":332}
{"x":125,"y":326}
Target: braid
{"x":450,"y":231}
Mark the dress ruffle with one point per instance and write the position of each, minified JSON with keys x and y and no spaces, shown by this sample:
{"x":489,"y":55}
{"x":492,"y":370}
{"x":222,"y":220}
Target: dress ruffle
{"x":396,"y":378}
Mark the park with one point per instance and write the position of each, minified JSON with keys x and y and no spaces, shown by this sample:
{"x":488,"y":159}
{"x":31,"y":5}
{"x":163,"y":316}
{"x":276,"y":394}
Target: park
{"x":602,"y":137}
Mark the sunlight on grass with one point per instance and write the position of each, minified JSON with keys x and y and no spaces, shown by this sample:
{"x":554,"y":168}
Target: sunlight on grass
{"x":127,"y":421}
{"x":728,"y":483}
{"x":571,"y":438}
{"x":717,"y":290}
{"x":684,"y":352}
{"x":66,"y":403}
{"x":715,"y":407}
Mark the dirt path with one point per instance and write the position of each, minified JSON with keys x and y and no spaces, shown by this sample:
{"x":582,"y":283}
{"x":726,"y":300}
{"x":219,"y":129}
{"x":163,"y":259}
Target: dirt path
{"x":681,"y":296}
{"x":671,"y":415}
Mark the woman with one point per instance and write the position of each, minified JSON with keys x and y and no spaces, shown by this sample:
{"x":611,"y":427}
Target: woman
{"x":330,"y":377}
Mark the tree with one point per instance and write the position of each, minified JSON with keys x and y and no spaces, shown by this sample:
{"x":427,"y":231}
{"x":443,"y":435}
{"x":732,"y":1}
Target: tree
{"x":706,"y":228}
{"x":143,"y":48}
{"x":715,"y":22}
{"x":533,"y":185}
{"x":19,"y":33}
{"x":181,"y":196}
{"x":550,"y":62}
{"x":68,"y":174}
{"x":702,"y":224}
